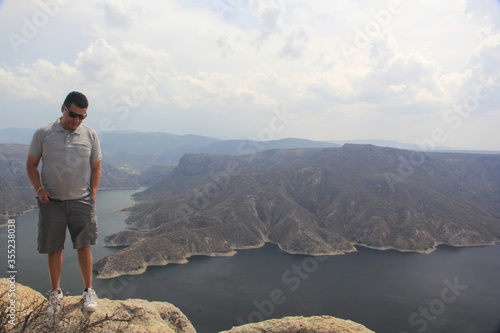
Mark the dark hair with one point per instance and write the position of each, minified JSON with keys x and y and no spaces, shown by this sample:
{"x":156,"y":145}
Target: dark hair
{"x":78,"y":99}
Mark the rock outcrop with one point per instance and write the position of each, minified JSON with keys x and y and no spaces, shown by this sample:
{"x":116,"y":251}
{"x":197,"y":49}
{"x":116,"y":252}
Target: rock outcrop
{"x":316,"y":324}
{"x":134,"y":315}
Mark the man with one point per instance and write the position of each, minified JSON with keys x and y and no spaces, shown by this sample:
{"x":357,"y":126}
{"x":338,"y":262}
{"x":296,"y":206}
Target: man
{"x":66,"y":192}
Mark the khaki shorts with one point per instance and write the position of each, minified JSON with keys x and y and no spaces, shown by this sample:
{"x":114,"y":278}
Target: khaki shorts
{"x":79,"y":216}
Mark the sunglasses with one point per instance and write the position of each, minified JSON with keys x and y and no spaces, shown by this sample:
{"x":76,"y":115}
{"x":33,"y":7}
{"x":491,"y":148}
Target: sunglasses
{"x":74,"y":115}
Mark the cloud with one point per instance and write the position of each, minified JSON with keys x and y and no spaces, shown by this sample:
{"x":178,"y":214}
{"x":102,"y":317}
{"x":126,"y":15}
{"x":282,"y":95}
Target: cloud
{"x":120,"y":14}
{"x":486,"y":11}
{"x":185,"y":67}
{"x":100,"y":62}
{"x":488,"y":54}
{"x":270,"y":16}
{"x":296,"y":42}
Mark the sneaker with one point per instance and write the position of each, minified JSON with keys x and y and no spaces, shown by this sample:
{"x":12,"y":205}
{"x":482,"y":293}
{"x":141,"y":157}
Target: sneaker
{"x":89,"y":300}
{"x":55,"y":298}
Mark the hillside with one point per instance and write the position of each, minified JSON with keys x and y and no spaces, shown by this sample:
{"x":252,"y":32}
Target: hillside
{"x":16,"y":193}
{"x":310,"y":201}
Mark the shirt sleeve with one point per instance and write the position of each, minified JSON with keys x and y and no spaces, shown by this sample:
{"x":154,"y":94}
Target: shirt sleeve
{"x":36,"y":146}
{"x":96,"y":154}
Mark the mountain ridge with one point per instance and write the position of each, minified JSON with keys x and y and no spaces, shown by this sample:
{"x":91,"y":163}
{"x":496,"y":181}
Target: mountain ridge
{"x":310,"y":201}
{"x":141,"y":150}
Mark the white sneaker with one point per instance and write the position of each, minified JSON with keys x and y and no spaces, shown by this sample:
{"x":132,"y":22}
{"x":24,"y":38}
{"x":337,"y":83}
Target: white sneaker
{"x":89,"y":300}
{"x":55,"y":298}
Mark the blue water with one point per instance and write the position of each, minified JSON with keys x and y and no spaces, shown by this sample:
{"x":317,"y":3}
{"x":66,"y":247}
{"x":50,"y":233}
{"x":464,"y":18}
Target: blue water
{"x":449,"y":290}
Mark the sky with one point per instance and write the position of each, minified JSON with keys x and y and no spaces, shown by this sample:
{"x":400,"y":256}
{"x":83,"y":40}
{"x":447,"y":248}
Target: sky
{"x":424,"y":72}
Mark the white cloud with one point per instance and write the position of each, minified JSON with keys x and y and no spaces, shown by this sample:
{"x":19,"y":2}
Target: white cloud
{"x":296,"y":42}
{"x":270,"y":16}
{"x":120,"y":14}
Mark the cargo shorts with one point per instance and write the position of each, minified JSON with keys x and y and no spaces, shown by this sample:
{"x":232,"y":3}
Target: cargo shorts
{"x":79,"y":216}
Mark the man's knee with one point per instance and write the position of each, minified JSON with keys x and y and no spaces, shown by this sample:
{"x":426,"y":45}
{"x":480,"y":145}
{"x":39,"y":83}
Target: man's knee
{"x":84,"y":251}
{"x":55,"y":254}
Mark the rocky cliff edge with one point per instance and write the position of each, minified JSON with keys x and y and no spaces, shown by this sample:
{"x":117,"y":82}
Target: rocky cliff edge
{"x":133,"y":315}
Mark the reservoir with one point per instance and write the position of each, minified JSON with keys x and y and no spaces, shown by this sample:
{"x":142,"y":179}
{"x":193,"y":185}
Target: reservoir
{"x":450,"y":290}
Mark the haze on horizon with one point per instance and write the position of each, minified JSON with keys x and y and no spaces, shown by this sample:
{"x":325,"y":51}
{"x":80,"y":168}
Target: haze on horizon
{"x":412,"y":72}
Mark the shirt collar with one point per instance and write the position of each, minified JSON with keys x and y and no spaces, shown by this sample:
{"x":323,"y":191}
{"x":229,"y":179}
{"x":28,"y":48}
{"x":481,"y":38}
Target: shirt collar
{"x":60,"y":128}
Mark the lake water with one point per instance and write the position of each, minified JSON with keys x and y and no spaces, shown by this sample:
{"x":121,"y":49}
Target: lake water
{"x":450,"y":290}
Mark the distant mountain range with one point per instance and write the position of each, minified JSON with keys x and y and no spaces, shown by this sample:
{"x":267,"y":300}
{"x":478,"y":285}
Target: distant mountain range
{"x":141,"y":150}
{"x":313,"y":201}
{"x":126,"y":155}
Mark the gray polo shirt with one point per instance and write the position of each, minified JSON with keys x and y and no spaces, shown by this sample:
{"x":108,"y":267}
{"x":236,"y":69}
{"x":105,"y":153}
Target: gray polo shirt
{"x":66,"y":158}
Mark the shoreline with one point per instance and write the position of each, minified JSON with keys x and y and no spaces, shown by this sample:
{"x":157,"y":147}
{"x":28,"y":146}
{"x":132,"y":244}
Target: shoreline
{"x":2,"y":225}
{"x":252,"y":247}
{"x":428,"y":251}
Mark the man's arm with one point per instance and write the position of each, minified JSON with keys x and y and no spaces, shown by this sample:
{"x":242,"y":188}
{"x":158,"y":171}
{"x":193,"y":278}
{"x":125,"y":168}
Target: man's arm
{"x":95,"y":177}
{"x":34,"y":176}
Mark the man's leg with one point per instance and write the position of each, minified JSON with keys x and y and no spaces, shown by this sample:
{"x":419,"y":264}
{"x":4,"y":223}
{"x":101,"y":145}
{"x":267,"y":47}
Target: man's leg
{"x":89,"y":295}
{"x":85,"y":261}
{"x":54,"y":261}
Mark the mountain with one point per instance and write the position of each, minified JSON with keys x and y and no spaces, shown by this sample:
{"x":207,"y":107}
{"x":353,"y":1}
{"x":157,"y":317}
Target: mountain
{"x":16,"y":192}
{"x":311,"y":201}
{"x":138,"y":150}
{"x":195,"y":170}
{"x":388,"y":143}
{"x":153,"y":147}
{"x":114,"y":178}
{"x":410,"y":146}
{"x":242,"y":147}
{"x":154,"y":174}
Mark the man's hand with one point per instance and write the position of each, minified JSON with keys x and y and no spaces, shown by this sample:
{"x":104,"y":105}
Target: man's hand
{"x":44,"y":196}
